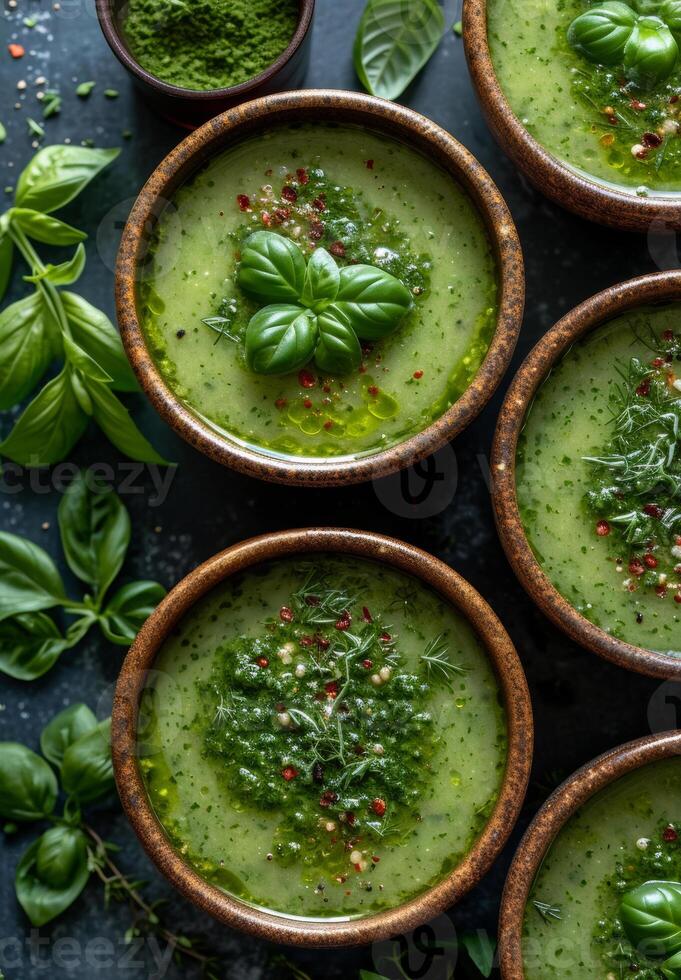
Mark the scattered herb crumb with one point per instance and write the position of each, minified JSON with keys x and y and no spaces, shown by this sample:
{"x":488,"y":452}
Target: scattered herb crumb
{"x":34,"y":128}
{"x":3,"y":133}
{"x":111,"y":93}
{"x":87,"y":142}
{"x":458,"y":28}
{"x":127,"y":134}
{"x":30,"y":21}
{"x":84,"y":89}
{"x":51,"y":104}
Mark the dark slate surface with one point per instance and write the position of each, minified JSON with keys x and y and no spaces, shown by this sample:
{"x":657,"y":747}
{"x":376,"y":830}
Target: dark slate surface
{"x":583,"y":706}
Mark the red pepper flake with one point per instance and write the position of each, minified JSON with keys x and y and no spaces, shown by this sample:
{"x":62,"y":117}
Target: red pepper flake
{"x":262,"y":662}
{"x":316,"y":231}
{"x":286,"y":614}
{"x":653,"y":510}
{"x":306,"y":379}
{"x":418,"y":375}
{"x":331,"y":688}
{"x":385,"y":637}
{"x":350,"y":817}
{"x":658,"y":362}
{"x":307,"y":403}
{"x":602,"y":529}
{"x":673,"y":100}
{"x":337,"y":249}
{"x":651,"y":140}
{"x":375,"y":859}
{"x":322,"y":642}
{"x":289,"y":773}
{"x":319,"y":205}
{"x":643,"y":389}
{"x":290,"y":194}
{"x":327,"y":798}
{"x":345,"y":621}
{"x":636,"y":567}
{"x":303,"y":176}
{"x":677,"y":598}
{"x":281,"y":403}
{"x":669,"y":834}
{"x":244,"y":202}
{"x":369,"y":164}
{"x":638,"y":106}
{"x":306,"y":641}
{"x":328,"y":425}
{"x":266,"y":219}
{"x":372,"y":390}
{"x":650,"y":561}
{"x":366,"y":615}
{"x":367,"y":664}
{"x":282,"y":214}
{"x":668,"y":335}
{"x":661,"y":591}
{"x":16,"y":50}
{"x":379,"y":806}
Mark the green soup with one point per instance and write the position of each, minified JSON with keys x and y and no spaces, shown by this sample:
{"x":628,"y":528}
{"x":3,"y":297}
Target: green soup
{"x":587,"y":115}
{"x":627,"y":835}
{"x":323,"y":738}
{"x":599,"y":478}
{"x":366,"y":199}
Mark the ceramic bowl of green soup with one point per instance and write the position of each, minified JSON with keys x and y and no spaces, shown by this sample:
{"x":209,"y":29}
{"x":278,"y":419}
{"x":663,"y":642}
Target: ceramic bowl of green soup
{"x":585,"y":98}
{"x":319,"y":288}
{"x":587,"y":474}
{"x":594,"y":891}
{"x":322,"y":737}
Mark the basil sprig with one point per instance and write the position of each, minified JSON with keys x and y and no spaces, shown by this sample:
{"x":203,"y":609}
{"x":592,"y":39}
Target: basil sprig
{"x":55,"y":868}
{"x":318,"y":310}
{"x":644,"y":41}
{"x":52,"y":324}
{"x":651,"y":917}
{"x":95,"y":534}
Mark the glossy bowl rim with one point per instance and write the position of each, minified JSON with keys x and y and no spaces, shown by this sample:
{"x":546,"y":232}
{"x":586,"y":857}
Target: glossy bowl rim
{"x":107,"y":22}
{"x":586,"y":197}
{"x":362,"y":544}
{"x":623,"y":297}
{"x":384,"y":117}
{"x":552,"y":818}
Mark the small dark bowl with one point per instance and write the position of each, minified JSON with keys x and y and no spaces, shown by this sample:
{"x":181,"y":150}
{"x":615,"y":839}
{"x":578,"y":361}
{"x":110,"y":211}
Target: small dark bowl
{"x":277,"y":927}
{"x":658,"y":288}
{"x":587,"y":198}
{"x":373,"y":114}
{"x":190,"y":107}
{"x":555,"y":813}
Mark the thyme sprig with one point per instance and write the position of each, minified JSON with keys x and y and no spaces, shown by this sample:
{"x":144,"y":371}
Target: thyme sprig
{"x":548,"y":911}
{"x":436,"y":660}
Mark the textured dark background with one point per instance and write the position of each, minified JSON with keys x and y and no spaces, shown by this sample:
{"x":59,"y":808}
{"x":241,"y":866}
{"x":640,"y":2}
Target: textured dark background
{"x":583,"y":705}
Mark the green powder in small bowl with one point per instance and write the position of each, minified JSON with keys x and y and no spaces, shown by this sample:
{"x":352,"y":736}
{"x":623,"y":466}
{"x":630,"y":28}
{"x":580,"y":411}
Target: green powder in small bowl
{"x":208,"y":44}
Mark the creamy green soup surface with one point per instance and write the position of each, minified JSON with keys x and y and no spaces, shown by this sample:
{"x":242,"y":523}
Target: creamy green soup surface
{"x":624,"y":837}
{"x":365,"y":199}
{"x":599,"y":478}
{"x":323,"y":737}
{"x":587,"y":115}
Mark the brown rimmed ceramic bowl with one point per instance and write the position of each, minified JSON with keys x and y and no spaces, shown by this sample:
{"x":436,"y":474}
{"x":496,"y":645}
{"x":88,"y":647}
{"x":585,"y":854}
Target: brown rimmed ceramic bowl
{"x":587,"y":198}
{"x":548,"y":823}
{"x":189,"y":107}
{"x":647,"y":290}
{"x":369,"y":113}
{"x":362,"y":544}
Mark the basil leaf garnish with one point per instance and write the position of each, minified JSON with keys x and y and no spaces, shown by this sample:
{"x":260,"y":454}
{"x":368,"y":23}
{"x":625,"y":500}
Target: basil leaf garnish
{"x":29,"y":580}
{"x":63,"y":274}
{"x":93,"y":331}
{"x":28,"y":787}
{"x":86,"y":769}
{"x":52,"y":873}
{"x":338,"y":351}
{"x":280,"y":339}
{"x":601,"y":33}
{"x":651,"y":913}
{"x":29,"y":341}
{"x":373,"y":300}
{"x":650,"y":53}
{"x":272,"y":268}
{"x":49,"y":427}
{"x":114,"y":420}
{"x":57,"y":174}
{"x":129,"y":608}
{"x":44,"y":228}
{"x":65,"y":729}
{"x":322,"y":280}
{"x":670,"y":13}
{"x":30,"y":644}
{"x":394,"y":41}
{"x":671,"y":968}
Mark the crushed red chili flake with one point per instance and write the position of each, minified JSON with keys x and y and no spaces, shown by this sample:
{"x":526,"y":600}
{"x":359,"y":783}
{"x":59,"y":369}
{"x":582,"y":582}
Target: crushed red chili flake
{"x":318,"y":773}
{"x":303,"y":176}
{"x":650,"y":561}
{"x":331,"y":688}
{"x":286,"y":614}
{"x":658,"y":362}
{"x":643,"y":389}
{"x":266,"y":218}
{"x":669,"y":834}
{"x":637,"y":105}
{"x":316,"y":231}
{"x":306,"y":641}
{"x":307,"y":403}
{"x":328,"y":425}
{"x":262,"y":662}
{"x":367,"y":664}
{"x":337,"y":249}
{"x":306,"y":379}
{"x":379,"y":806}
{"x":282,"y":214}
{"x":653,"y":510}
{"x":369,"y":164}
{"x":289,"y":773}
{"x":323,"y":643}
{"x":319,"y":204}
{"x":290,"y":194}
{"x":244,"y":202}
{"x":350,"y":818}
{"x":345,"y":621}
{"x":327,"y":798}
{"x":372,"y":390}
{"x":661,"y":591}
{"x":651,"y":139}
{"x":673,"y":100}
{"x":16,"y":50}
{"x":602,"y":529}
{"x":418,"y":375}
{"x":366,"y":615}
{"x":677,"y":598}
{"x":668,"y":335}
{"x":281,"y":403}
{"x":385,"y":637}
{"x":636,"y":566}
{"x":375,"y":859}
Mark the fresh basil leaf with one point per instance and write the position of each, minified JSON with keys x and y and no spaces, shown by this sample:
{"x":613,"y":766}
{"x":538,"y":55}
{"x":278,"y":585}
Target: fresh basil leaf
{"x":65,"y":729}
{"x":651,"y":52}
{"x":372,"y":300}
{"x":44,"y":228}
{"x":652,"y":913}
{"x":52,"y":873}
{"x":30,"y":645}
{"x":95,"y":533}
{"x":49,"y":427}
{"x":81,"y":360}
{"x":481,"y":948}
{"x":670,"y":13}
{"x":93,"y":332}
{"x":115,"y":422}
{"x":272,"y":267}
{"x":28,"y":787}
{"x":6,"y":258}
{"x":29,"y":580}
{"x":280,"y":339}
{"x":600,"y":34}
{"x":29,"y":340}
{"x":338,"y":351}
{"x":394,"y":41}
{"x":322,"y":280}
{"x":57,"y":174}
{"x":370,"y":975}
{"x":671,"y":968}
{"x":86,"y":769}
{"x":63,"y":274}
{"x":129,"y":609}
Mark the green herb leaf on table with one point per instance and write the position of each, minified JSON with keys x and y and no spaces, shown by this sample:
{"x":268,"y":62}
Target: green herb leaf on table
{"x":63,"y":274}
{"x":86,"y":769}
{"x":29,"y":341}
{"x":57,"y":174}
{"x":28,"y":576}
{"x":52,"y":873}
{"x":45,"y":228}
{"x":395,"y":39}
{"x":30,"y":644}
{"x":65,"y":729}
{"x":481,"y":948}
{"x":6,"y":260}
{"x":129,"y":609}
{"x":28,"y":787}
{"x":114,"y":420}
{"x":94,"y":332}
